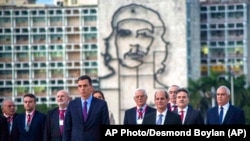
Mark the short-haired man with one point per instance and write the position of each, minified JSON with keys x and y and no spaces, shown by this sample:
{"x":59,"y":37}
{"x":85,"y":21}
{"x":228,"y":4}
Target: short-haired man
{"x":85,"y":114}
{"x":162,"y":115}
{"x":224,"y":112}
{"x":55,"y":118}
{"x":189,"y":116}
{"x":136,"y":114}
{"x":29,"y":126}
{"x":172,"y":97}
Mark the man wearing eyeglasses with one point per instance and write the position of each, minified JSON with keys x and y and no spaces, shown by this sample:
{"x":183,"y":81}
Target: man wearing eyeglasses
{"x":136,"y":114}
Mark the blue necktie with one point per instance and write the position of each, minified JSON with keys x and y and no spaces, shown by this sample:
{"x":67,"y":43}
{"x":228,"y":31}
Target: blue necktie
{"x":159,"y":121}
{"x":85,"y":110}
{"x":221,"y":115}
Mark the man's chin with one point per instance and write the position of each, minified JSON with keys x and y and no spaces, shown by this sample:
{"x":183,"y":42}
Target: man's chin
{"x":132,"y":63}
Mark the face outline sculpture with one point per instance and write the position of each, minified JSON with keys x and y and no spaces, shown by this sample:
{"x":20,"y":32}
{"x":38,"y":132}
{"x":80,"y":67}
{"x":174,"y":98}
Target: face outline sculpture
{"x":136,"y":40}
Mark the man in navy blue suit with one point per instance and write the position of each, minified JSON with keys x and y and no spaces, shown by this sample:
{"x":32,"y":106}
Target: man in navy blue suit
{"x":29,"y":126}
{"x":162,"y":115}
{"x":189,"y":116}
{"x":231,"y":115}
{"x":85,"y":114}
{"x":55,"y":118}
{"x":135,"y":114}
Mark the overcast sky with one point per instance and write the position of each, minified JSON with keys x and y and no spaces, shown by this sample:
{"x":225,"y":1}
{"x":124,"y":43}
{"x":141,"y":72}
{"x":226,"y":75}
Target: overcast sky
{"x":45,"y":1}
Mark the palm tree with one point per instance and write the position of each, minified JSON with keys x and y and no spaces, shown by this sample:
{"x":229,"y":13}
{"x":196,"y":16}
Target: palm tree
{"x":201,"y":95}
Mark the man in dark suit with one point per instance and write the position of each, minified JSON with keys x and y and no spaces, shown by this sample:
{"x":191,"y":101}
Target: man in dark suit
{"x":3,"y":128}
{"x":29,"y":126}
{"x":172,"y":97}
{"x":162,"y":115}
{"x":189,"y":116}
{"x":55,"y":118}
{"x":9,"y":112}
{"x":136,"y":114}
{"x":85,"y":114}
{"x":230,"y":115}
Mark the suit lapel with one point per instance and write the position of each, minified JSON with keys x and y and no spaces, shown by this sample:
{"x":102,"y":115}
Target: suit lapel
{"x":188,"y":115}
{"x":91,"y":107}
{"x":216,"y":115}
{"x":33,"y":120}
{"x":56,"y":118}
{"x":229,"y":112}
{"x":79,"y":104}
{"x":23,"y":116}
{"x":134,"y":112}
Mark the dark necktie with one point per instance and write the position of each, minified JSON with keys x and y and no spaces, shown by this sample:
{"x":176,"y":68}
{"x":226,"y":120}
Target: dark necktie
{"x":27,"y":127}
{"x":9,"y":122}
{"x":174,"y":108}
{"x":140,"y":113}
{"x":159,"y":121}
{"x":9,"y":119}
{"x":85,"y":111}
{"x":28,"y":119}
{"x":61,"y":119}
{"x":182,"y":115}
{"x":221,"y":115}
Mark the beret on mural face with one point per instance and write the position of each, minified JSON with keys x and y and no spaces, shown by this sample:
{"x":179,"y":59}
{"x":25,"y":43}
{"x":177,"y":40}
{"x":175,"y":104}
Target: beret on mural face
{"x":137,"y":12}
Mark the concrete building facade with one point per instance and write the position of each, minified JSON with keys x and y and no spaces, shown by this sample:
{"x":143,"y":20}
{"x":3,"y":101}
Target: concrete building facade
{"x":45,"y":49}
{"x":224,"y":37}
{"x":122,"y":45}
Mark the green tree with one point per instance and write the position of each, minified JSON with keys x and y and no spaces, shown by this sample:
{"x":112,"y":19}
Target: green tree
{"x":200,"y":91}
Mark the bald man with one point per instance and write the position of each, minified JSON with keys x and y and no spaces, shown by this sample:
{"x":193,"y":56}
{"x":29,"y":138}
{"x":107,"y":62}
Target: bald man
{"x":55,"y":117}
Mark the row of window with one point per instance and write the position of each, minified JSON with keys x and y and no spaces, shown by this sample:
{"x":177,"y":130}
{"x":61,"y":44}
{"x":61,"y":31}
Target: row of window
{"x":68,"y":47}
{"x":40,"y":12}
{"x":234,"y":7}
{"x":48,"y":30}
{"x":86,"y":64}
{"x":222,"y":26}
{"x":222,"y":35}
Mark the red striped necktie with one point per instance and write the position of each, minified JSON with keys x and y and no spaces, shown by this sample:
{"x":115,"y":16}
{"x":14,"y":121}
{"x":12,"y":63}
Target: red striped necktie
{"x":61,"y":119}
{"x":182,"y":115}
{"x":140,"y":113}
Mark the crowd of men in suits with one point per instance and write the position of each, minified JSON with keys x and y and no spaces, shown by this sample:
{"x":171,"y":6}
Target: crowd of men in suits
{"x":71,"y":120}
{"x":172,"y":107}
{"x":80,"y":119}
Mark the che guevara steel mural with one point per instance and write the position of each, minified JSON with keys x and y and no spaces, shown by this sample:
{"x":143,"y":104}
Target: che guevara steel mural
{"x":136,"y":44}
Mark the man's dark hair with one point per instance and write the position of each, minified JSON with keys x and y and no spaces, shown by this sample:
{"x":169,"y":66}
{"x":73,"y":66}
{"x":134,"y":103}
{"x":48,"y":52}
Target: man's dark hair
{"x":30,"y":95}
{"x":83,"y":77}
{"x":182,"y":90}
